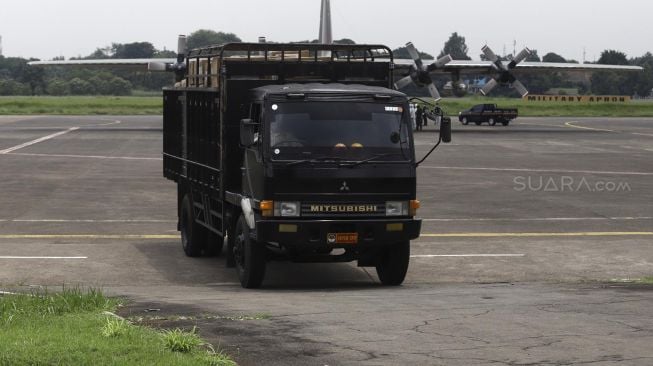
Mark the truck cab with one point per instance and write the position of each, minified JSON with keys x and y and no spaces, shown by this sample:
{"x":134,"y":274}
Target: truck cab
{"x":331,"y":167}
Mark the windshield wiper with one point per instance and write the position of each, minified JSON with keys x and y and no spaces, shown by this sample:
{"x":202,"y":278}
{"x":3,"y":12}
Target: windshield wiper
{"x":320,"y":159}
{"x":372,"y":159}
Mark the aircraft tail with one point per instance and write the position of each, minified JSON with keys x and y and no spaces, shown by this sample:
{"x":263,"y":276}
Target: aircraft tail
{"x":326,"y":35}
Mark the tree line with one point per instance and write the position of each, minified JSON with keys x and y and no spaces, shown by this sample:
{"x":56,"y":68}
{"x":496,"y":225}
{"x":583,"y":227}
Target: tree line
{"x":16,"y":78}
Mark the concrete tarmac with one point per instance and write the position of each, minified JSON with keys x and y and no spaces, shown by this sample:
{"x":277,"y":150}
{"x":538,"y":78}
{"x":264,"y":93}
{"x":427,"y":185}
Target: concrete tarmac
{"x":528,"y":231}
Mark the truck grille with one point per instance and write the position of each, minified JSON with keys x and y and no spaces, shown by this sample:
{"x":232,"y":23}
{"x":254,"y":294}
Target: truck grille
{"x":355,"y":209}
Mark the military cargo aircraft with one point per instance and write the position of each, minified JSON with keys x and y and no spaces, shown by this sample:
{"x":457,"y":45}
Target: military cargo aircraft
{"x":414,"y":70}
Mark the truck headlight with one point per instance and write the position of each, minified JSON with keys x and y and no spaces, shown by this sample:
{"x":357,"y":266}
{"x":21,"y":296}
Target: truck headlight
{"x":396,"y":208}
{"x":287,"y":209}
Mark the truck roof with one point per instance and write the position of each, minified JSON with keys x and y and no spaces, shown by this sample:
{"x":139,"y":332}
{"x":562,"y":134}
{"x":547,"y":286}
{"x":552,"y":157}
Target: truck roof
{"x":316,"y":88}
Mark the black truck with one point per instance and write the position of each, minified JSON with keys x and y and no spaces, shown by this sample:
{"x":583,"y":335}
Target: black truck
{"x":293,"y":152}
{"x":489,"y":113}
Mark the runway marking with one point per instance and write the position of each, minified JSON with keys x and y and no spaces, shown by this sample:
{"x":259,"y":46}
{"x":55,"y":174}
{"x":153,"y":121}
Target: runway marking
{"x":33,"y":142}
{"x":87,"y":156}
{"x":88,"y":236}
{"x":546,"y":219}
{"x":20,"y":257}
{"x":467,"y":255}
{"x":90,"y":221}
{"x":642,"y":134}
{"x":538,"y":170}
{"x":572,"y":125}
{"x":537,"y":235}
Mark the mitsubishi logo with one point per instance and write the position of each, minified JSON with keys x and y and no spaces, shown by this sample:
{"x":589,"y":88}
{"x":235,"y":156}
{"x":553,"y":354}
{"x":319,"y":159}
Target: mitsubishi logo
{"x":344,"y":188}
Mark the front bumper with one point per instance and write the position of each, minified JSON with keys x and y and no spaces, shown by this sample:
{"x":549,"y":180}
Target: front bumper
{"x":307,"y":233}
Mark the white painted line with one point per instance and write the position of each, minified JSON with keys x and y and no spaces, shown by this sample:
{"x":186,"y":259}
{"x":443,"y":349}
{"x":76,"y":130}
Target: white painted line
{"x":90,"y":221}
{"x":642,"y":134}
{"x":87,"y":156}
{"x":545,"y":219}
{"x":468,"y":255}
{"x":537,"y":170}
{"x":571,"y":124}
{"x":21,"y":257}
{"x":44,"y":138}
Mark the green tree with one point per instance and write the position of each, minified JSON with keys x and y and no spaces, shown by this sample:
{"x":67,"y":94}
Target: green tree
{"x":455,"y":47}
{"x":402,"y":52}
{"x":612,"y":57}
{"x":58,"y":87}
{"x":346,"y":41}
{"x":610,"y":82}
{"x":553,"y":57}
{"x":207,"y":37}
{"x":133,"y":50}
{"x":81,"y":87}
{"x":119,"y":86}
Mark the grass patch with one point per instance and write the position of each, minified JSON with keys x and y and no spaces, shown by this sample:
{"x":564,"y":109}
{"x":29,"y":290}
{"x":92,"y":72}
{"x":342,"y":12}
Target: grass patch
{"x":553,"y":109}
{"x":178,"y":340}
{"x":136,"y":105}
{"x":646,"y":281}
{"x":73,"y":328}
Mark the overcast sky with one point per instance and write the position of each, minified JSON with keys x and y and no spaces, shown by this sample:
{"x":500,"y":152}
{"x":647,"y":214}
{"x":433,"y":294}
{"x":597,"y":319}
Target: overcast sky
{"x":49,"y":28}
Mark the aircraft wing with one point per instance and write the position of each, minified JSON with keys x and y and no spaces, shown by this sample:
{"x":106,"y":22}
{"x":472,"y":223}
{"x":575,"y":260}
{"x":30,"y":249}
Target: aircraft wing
{"x":487,"y":67}
{"x":138,"y":64}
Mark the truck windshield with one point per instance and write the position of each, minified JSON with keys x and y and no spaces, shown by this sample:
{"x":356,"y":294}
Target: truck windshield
{"x":343,"y":131}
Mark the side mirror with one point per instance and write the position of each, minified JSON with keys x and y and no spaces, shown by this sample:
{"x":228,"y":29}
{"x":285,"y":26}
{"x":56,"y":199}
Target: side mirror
{"x":445,"y":130}
{"x":248,"y":133}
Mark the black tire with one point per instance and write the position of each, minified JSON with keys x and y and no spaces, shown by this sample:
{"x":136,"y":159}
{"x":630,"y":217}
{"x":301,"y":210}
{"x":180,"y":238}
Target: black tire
{"x":505,"y":123}
{"x":192,"y":240}
{"x":392,"y":264}
{"x":492,"y":122}
{"x":250,"y":257}
{"x":465,"y":121}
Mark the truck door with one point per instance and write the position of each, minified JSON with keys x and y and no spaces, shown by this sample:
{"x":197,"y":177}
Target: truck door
{"x":253,"y":162}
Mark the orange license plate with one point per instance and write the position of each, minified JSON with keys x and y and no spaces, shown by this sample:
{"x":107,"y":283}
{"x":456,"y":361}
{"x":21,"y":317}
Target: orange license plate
{"x":342,"y":238}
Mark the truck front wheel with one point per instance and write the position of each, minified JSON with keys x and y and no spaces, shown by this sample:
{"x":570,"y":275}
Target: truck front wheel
{"x":392,"y":264}
{"x":249,"y":257}
{"x":191,"y":232}
{"x":492,"y":122}
{"x":465,"y":121}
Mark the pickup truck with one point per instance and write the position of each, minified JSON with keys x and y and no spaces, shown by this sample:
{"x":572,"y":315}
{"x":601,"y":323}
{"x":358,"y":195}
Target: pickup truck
{"x":489,"y":113}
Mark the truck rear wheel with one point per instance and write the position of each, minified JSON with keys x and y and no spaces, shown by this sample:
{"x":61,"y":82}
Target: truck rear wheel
{"x":392,"y":264}
{"x":191,"y":233}
{"x":249,"y":256}
{"x":492,"y":122}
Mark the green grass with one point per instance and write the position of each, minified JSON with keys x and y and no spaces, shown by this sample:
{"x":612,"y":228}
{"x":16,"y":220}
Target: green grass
{"x":73,"y":328}
{"x":646,"y":281}
{"x":553,"y":109}
{"x":136,"y":105}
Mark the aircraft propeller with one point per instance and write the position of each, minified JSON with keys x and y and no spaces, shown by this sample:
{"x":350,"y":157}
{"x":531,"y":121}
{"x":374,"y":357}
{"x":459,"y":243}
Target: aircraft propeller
{"x":179,"y":68}
{"x":420,"y":74}
{"x":505,"y":75}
